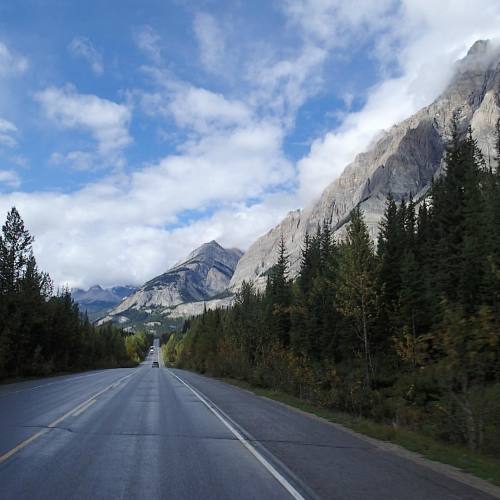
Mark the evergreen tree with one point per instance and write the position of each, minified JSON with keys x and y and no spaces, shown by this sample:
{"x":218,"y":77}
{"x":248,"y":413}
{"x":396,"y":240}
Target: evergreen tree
{"x":356,"y":288}
{"x":390,"y":250}
{"x":278,"y":296}
{"x":15,"y":251}
{"x":447,"y":219}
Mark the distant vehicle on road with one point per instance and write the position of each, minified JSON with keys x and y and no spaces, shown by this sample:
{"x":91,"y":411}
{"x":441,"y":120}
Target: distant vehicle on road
{"x":155,"y":364}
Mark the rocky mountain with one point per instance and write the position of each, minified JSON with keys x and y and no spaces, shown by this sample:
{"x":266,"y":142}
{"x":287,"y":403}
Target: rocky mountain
{"x":203,"y":275}
{"x":98,"y":300}
{"x":402,"y":161}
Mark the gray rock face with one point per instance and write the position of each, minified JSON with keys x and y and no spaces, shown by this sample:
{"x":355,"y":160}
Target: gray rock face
{"x":403,"y":161}
{"x":205,"y":273}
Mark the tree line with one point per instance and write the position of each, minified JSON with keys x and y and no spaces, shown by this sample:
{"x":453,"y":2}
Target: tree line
{"x":405,"y":331}
{"x":43,"y":333}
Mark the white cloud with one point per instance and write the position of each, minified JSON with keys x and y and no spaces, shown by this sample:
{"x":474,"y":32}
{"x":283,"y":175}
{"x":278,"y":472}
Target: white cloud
{"x":200,"y":109}
{"x":284,"y":84}
{"x":82,"y":47}
{"x":106,"y":120}
{"x":19,"y":160}
{"x":424,"y":38}
{"x":7,"y":132}
{"x":9,"y":178}
{"x":232,"y":170}
{"x":77,"y":160}
{"x":191,"y":107}
{"x":116,"y":230}
{"x":11,"y":63}
{"x":148,"y":41}
{"x":237,"y":225}
{"x":210,"y":40}
{"x":221,"y":168}
{"x":113,"y":231}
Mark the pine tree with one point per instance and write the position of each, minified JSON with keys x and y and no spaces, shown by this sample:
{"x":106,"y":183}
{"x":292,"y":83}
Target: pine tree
{"x":447,"y":219}
{"x":356,"y":289}
{"x":15,"y":254}
{"x":473,"y":273}
{"x":15,"y":251}
{"x":278,"y":296}
{"x":390,"y":249}
{"x":306,"y":266}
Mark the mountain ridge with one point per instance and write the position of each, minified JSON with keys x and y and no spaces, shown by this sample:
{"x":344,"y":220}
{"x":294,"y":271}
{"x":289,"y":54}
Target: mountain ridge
{"x":402,"y":160}
{"x":203,"y":275}
{"x":96,"y":300}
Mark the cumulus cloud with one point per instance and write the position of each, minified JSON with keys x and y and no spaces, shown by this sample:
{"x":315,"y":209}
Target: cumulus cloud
{"x":77,"y":160}
{"x":148,"y":40}
{"x":284,"y":84}
{"x":423,"y":38}
{"x":105,"y":120}
{"x":7,"y":133}
{"x":210,"y":40}
{"x":11,"y":63}
{"x":200,"y":109}
{"x":82,"y":47}
{"x":9,"y":178}
{"x":140,"y":224}
{"x":229,"y":178}
{"x":336,"y":22}
{"x":194,"y":108}
{"x":19,"y":160}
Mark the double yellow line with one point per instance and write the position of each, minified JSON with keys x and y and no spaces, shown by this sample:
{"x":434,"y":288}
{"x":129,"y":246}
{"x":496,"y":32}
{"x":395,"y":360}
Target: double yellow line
{"x":77,"y":410}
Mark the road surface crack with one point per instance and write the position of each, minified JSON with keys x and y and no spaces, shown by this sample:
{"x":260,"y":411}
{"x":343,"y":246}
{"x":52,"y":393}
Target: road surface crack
{"x":195,"y":436}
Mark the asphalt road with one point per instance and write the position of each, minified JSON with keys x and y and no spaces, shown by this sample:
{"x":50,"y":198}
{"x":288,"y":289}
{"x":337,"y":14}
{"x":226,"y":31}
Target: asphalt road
{"x":144,"y":433}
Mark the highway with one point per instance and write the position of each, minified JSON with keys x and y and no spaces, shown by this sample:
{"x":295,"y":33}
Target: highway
{"x":162,"y":433}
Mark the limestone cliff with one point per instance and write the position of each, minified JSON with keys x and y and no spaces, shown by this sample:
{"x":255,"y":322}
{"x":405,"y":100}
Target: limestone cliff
{"x":402,"y":161}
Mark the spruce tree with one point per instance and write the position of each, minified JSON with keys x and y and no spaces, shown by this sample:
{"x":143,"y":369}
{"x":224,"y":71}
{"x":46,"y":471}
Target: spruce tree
{"x":390,"y":248}
{"x":278,"y":296}
{"x":356,"y":288}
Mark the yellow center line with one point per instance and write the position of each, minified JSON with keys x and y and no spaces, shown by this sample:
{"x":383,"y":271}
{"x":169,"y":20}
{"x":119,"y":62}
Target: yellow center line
{"x":21,"y":445}
{"x":81,"y":410}
{"x":73,"y":412}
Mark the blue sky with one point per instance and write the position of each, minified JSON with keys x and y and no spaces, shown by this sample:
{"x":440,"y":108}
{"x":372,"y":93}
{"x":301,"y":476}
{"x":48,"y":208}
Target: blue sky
{"x":95,"y":48}
{"x":131,"y":132}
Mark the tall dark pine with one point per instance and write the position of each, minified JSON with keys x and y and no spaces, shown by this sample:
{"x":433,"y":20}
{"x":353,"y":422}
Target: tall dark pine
{"x":472,"y":285}
{"x":278,"y":296}
{"x":306,"y":266}
{"x":15,"y":251}
{"x":356,"y":286}
{"x":390,"y":247}
{"x":447,"y":218}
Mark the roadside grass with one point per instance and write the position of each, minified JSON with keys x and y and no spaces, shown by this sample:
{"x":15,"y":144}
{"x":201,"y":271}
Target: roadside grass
{"x":482,"y":466}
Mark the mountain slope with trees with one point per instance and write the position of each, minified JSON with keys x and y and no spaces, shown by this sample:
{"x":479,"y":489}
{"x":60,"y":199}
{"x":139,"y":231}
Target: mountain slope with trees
{"x":406,"y":332}
{"x":402,"y":160}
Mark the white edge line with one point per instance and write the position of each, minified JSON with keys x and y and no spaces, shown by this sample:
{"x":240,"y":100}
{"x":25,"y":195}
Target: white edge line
{"x":213,"y":408}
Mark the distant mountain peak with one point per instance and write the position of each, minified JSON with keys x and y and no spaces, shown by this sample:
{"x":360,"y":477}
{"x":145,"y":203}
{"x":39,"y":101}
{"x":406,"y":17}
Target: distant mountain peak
{"x":478,"y":47}
{"x":97,"y":300}
{"x":211,"y":250}
{"x":203,"y":274}
{"x":482,"y":56}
